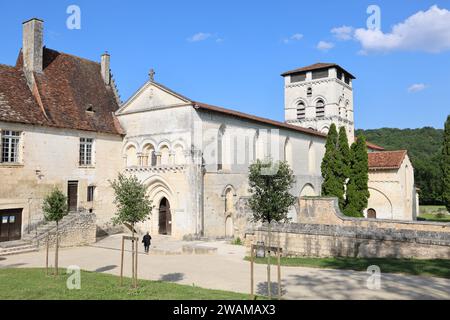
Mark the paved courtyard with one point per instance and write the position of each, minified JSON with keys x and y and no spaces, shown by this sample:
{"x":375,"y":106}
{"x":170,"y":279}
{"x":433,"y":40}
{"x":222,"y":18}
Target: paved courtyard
{"x":226,"y":270}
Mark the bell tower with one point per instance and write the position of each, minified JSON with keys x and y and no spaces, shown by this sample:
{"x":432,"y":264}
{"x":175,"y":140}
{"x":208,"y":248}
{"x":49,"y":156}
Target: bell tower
{"x":317,"y":96}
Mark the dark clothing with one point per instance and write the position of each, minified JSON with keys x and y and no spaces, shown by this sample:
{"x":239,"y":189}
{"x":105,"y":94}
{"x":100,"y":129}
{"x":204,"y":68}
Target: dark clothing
{"x":146,"y":240}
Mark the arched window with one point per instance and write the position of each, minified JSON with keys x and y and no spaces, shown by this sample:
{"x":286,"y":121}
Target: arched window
{"x":311,"y":158}
{"x":301,"y":110}
{"x":165,"y":155}
{"x":131,"y":154}
{"x":149,"y":156}
{"x":288,"y":152}
{"x":320,"y":108}
{"x":309,"y":92}
{"x":220,"y":147}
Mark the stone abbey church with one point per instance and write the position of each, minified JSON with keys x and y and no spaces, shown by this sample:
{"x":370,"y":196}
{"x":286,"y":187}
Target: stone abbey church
{"x":62,"y":124}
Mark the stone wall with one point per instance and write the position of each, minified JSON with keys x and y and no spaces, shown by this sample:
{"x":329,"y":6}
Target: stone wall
{"x":323,"y":231}
{"x":75,"y":230}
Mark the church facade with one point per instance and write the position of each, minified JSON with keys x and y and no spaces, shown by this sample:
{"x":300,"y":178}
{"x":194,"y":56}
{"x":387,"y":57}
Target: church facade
{"x":63,"y":125}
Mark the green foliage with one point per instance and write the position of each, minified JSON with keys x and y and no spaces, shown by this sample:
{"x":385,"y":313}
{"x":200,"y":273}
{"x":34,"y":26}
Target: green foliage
{"x":331,"y":186}
{"x":133,"y":204}
{"x":269,"y":186}
{"x":446,"y":165}
{"x":55,"y":206}
{"x":357,"y":187}
{"x":237,"y":242}
{"x":425,"y":151}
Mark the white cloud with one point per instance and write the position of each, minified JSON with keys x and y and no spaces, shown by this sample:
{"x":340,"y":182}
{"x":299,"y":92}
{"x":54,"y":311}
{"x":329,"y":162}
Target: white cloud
{"x":427,"y":31}
{"x":325,"y":46}
{"x":201,"y":36}
{"x":294,"y":37}
{"x":417,"y":87}
{"x":343,"y":33}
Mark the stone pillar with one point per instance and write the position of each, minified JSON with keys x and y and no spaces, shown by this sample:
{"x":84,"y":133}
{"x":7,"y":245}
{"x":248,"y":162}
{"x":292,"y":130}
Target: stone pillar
{"x":158,"y":158}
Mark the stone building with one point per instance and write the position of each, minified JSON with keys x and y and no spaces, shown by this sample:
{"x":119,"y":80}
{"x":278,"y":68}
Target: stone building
{"x":62,"y":124}
{"x":58,"y":129}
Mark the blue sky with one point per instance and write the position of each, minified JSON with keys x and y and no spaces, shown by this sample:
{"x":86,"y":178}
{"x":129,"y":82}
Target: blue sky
{"x":231,"y":53}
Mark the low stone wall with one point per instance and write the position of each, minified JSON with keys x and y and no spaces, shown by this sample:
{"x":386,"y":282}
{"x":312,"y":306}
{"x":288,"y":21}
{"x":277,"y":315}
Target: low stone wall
{"x":77,"y":230}
{"x":322,"y":231}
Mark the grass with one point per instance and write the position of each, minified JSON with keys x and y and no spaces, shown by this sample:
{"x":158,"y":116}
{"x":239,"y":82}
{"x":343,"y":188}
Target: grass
{"x":435,"y":268}
{"x":33,"y":284}
{"x":434,"y":217}
{"x":432,"y":209}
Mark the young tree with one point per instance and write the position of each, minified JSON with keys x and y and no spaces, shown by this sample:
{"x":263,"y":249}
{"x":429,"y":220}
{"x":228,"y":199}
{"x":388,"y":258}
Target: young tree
{"x":331,"y":164}
{"x":343,"y":165}
{"x":446,"y":165}
{"x":133,"y":203}
{"x":55,"y":208}
{"x":357,"y":187}
{"x":269,"y":186}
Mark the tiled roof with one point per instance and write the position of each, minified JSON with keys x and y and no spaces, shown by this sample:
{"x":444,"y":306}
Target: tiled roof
{"x":245,"y":116}
{"x":316,"y":66}
{"x":386,"y":160}
{"x":67,"y":87}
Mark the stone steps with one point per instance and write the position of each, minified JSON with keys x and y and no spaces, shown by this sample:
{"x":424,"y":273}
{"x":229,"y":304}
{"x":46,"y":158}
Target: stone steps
{"x":22,"y":247}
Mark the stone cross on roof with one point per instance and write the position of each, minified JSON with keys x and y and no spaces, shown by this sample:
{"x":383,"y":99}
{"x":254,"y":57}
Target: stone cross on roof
{"x":152,"y":74}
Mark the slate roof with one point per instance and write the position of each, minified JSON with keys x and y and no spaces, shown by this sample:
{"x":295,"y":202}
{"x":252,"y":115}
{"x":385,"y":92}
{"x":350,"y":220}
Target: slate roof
{"x":386,"y":160}
{"x":68,"y":86}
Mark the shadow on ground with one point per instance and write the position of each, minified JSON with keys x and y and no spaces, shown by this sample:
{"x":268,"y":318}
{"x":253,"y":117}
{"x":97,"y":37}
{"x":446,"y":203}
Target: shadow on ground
{"x":172,"y":277}
{"x":106,"y":268}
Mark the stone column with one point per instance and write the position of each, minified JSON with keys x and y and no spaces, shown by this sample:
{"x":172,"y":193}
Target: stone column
{"x":158,"y":158}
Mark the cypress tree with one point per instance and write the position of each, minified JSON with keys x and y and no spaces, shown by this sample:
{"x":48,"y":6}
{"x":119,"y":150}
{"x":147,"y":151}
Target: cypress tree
{"x":331,"y":185}
{"x":446,"y":165}
{"x":343,"y":165}
{"x":357,"y":187}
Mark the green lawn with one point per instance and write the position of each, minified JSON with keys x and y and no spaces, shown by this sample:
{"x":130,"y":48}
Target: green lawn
{"x":431,"y":209}
{"x":434,"y":217}
{"x":436,"y":268}
{"x":33,"y":284}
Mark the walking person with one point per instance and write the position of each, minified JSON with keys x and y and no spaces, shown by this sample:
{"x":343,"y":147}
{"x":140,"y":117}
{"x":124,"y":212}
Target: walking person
{"x":146,"y":240}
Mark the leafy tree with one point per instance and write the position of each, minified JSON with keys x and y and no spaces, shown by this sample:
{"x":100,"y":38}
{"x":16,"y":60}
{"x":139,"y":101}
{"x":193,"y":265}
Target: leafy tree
{"x":132,"y":201}
{"x":55,"y":209}
{"x":269,"y":186}
{"x":331,"y":185}
{"x":446,"y":165}
{"x":133,"y":206}
{"x":357,"y":187}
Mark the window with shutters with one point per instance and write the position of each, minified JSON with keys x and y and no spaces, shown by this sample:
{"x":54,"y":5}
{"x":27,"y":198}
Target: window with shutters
{"x":319,"y":74}
{"x":301,"y":110}
{"x":10,"y":146}
{"x":298,"y":77}
{"x":86,"y":146}
{"x":320,"y":109}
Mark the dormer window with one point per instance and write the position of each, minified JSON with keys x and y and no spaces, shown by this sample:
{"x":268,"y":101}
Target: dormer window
{"x":90,"y":108}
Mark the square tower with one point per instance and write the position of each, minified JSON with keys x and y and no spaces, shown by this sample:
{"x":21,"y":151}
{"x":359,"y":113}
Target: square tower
{"x":317,"y":96}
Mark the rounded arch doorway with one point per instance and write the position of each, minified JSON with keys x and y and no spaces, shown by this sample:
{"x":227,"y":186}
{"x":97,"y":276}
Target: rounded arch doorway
{"x":165,"y":217}
{"x":371,"y":214}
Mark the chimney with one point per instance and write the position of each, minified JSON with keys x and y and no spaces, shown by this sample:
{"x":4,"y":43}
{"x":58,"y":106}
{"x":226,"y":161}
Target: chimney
{"x":106,"y":68}
{"x":33,"y":46}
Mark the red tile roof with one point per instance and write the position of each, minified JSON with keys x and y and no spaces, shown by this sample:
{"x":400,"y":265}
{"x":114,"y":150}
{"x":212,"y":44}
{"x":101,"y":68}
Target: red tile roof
{"x":386,"y":160}
{"x":317,"y":66}
{"x":245,"y":116}
{"x":67,"y":87}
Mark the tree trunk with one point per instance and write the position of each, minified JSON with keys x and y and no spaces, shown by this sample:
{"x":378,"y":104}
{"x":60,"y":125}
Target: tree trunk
{"x":269,"y":286}
{"x":57,"y":247}
{"x":132,"y":254}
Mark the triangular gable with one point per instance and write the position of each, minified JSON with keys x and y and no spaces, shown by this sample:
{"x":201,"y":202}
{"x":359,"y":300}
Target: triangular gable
{"x":153,"y":95}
